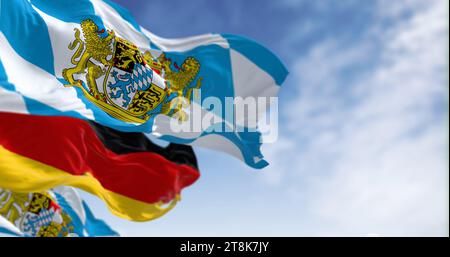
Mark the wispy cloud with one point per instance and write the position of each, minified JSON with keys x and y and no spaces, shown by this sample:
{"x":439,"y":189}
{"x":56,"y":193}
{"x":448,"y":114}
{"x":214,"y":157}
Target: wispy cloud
{"x":369,"y":122}
{"x":364,"y":138}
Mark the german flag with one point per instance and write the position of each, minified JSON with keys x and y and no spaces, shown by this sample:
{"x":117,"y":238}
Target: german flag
{"x":137,"y":179}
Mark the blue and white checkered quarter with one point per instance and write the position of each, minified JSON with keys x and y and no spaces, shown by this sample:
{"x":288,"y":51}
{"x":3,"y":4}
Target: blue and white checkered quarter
{"x":142,"y":77}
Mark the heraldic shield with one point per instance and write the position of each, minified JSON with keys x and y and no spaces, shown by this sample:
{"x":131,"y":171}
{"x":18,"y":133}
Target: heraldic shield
{"x":113,"y":74}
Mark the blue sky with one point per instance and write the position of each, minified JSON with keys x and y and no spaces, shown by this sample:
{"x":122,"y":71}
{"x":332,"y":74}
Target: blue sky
{"x":363,"y":140}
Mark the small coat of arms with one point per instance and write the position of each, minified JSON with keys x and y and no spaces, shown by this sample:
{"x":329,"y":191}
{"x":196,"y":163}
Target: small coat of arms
{"x":124,"y":82}
{"x":35,"y":214}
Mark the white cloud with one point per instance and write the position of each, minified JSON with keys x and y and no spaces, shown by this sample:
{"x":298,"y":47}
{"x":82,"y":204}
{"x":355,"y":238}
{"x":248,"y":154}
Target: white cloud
{"x":371,"y":152}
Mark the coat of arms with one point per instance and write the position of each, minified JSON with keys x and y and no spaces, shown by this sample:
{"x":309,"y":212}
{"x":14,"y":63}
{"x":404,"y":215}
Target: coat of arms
{"x":35,"y":214}
{"x":122,"y":81}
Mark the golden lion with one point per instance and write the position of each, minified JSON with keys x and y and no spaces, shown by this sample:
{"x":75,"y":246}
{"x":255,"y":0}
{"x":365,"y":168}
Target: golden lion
{"x":179,"y":82}
{"x":94,"y":47}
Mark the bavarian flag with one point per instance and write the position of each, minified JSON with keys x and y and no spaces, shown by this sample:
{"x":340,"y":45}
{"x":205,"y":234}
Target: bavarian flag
{"x":58,"y":212}
{"x":137,"y":179}
{"x":89,"y":59}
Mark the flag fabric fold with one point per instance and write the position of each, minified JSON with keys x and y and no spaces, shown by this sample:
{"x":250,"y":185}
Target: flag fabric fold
{"x":7,"y":229}
{"x":38,"y":153}
{"x":82,"y":219}
{"x":90,"y":59}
